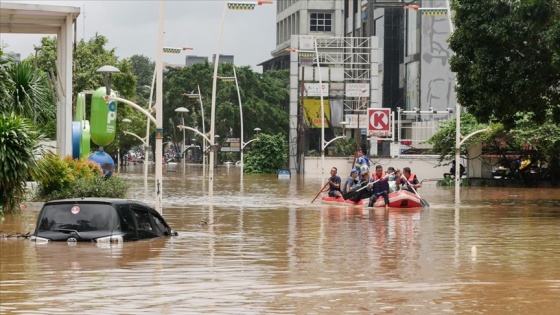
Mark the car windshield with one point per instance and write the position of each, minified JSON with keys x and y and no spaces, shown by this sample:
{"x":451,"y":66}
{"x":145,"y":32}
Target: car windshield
{"x":78,"y":217}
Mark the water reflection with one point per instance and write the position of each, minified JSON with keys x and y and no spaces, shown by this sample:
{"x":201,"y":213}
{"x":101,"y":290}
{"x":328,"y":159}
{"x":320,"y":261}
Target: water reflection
{"x":258,"y":246}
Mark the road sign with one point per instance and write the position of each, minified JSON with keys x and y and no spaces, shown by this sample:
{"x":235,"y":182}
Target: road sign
{"x":379,"y":121}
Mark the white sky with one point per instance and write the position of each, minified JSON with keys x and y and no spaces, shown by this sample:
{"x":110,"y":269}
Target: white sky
{"x":131,"y":27}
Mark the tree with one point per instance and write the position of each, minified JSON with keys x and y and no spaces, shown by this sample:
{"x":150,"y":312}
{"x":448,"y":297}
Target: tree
{"x":267,"y":155}
{"x":88,"y":57}
{"x":143,"y":69}
{"x":265,"y":99}
{"x":507,"y":58}
{"x":5,"y":79}
{"x":25,"y":91}
{"x":543,"y":138}
{"x":443,"y":140}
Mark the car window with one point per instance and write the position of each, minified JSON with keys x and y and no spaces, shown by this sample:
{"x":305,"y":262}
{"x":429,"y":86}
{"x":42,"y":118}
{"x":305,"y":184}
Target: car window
{"x":143,"y":219}
{"x":127,"y":218}
{"x":161,"y":228}
{"x":79,"y":217}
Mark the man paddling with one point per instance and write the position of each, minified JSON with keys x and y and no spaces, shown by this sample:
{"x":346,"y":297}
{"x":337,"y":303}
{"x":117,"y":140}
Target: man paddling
{"x":380,"y":186}
{"x":334,"y":184}
{"x":410,"y":181}
{"x":350,"y":181}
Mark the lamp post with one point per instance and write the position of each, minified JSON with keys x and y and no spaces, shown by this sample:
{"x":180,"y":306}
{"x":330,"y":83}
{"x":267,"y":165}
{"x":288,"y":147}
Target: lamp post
{"x":199,"y":96}
{"x":231,"y":6}
{"x":144,"y":142}
{"x":158,"y":108}
{"x":244,"y":144}
{"x":234,"y":78}
{"x":126,"y":132}
{"x":447,"y":10}
{"x":205,"y":137}
{"x":107,"y":73}
{"x":182,"y":110}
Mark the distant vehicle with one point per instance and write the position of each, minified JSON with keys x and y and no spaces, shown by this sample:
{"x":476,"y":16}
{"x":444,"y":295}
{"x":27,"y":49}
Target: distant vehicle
{"x":99,"y":220}
{"x":228,"y":163}
{"x":238,"y":163}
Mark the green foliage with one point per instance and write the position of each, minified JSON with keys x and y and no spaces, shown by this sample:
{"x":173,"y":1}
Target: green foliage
{"x":18,"y":140}
{"x":88,"y":57}
{"x":68,"y":178}
{"x":264,"y":98}
{"x":143,"y":69}
{"x":5,"y":80}
{"x":25,"y":91}
{"x":443,"y":140}
{"x":345,"y":146}
{"x":267,"y":155}
{"x":507,"y":58}
{"x":544,"y":137}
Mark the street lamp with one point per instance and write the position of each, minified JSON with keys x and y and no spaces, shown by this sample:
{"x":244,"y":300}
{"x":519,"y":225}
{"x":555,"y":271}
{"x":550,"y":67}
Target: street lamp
{"x":145,"y":144}
{"x":126,"y":132}
{"x":244,"y":144}
{"x":158,"y":108}
{"x":234,"y":78}
{"x":447,"y":10}
{"x":199,"y":96}
{"x":231,"y":6}
{"x":182,"y":110}
{"x":107,"y":72}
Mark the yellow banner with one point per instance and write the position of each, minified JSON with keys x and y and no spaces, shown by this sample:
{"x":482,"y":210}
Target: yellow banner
{"x":312,"y":112}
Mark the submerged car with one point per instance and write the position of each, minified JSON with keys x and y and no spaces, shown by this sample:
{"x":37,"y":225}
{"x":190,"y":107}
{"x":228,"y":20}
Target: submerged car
{"x":99,"y":220}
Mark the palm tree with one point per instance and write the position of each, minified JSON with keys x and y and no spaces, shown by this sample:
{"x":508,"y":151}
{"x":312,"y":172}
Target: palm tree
{"x":26,"y":92}
{"x":25,"y":104}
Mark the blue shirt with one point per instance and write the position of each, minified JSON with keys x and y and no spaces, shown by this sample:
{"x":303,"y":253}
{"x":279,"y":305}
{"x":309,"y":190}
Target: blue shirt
{"x":363,"y":161}
{"x":336,"y":179}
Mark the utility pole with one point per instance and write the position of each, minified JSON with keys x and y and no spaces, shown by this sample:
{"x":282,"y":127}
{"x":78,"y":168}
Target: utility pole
{"x":301,"y":129}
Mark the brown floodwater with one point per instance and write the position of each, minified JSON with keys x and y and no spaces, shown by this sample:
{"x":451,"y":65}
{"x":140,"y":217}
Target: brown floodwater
{"x":259,"y":246}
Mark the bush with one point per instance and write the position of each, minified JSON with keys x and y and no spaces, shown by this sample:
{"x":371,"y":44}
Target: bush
{"x":18,"y":140}
{"x":68,"y":178}
{"x":267,"y":155}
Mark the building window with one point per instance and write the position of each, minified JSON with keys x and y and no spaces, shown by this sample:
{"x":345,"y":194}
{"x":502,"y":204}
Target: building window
{"x":320,"y":22}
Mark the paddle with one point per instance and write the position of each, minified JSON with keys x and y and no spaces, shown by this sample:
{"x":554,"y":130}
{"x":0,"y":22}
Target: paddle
{"x":424,"y":203}
{"x":352,"y":193}
{"x":320,"y":191}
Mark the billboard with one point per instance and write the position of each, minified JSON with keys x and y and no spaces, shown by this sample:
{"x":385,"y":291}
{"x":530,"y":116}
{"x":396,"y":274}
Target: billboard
{"x":312,"y":112}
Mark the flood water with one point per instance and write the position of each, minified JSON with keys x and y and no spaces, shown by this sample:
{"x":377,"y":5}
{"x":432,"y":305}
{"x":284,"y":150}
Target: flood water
{"x":259,"y":246}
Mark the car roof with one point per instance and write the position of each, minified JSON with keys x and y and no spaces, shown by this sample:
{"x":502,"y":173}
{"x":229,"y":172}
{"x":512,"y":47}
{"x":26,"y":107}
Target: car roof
{"x":113,"y":201}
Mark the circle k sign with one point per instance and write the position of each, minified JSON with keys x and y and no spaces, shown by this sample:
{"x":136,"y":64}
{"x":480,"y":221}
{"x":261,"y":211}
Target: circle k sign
{"x":379,"y":119}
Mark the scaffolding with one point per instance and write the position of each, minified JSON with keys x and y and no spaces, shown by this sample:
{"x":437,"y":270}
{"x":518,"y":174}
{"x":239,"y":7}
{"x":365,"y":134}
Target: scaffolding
{"x":349,"y":70}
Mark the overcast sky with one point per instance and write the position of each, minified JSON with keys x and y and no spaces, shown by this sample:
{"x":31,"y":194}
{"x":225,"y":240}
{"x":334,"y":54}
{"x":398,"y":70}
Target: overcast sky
{"x":132,"y":26}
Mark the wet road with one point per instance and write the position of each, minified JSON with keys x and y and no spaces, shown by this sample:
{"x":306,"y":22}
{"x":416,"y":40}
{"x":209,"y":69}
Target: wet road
{"x":258,"y":246}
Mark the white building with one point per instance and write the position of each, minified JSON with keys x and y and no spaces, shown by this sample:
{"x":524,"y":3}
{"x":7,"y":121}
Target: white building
{"x":415,"y":81}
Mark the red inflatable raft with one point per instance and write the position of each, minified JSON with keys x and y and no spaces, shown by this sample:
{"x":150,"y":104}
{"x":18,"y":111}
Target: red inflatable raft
{"x":398,"y":199}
